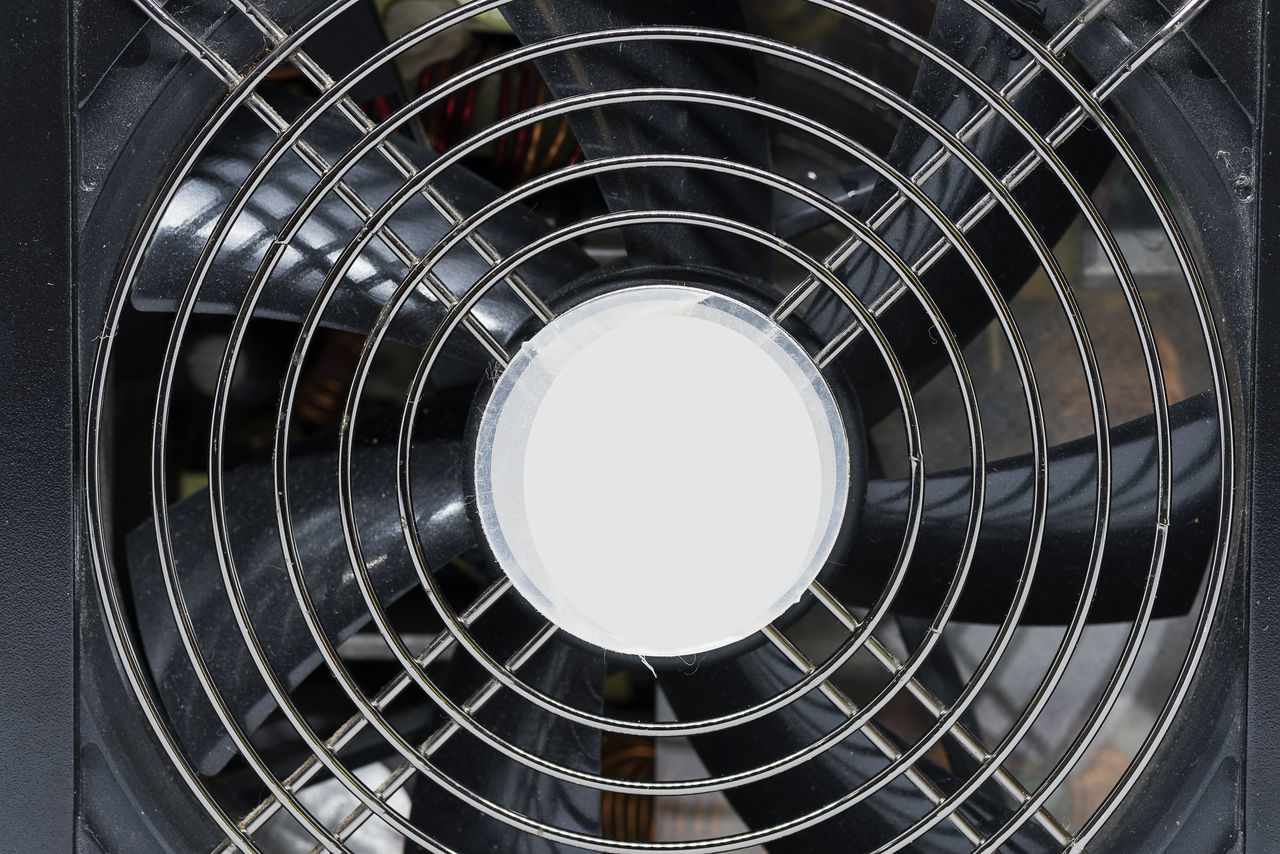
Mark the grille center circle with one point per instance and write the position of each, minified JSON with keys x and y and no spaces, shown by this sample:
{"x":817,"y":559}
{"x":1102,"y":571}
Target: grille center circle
{"x":661,"y":471}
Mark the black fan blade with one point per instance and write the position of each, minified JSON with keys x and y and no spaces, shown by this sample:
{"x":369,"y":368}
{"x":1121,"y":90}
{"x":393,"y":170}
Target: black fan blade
{"x":355,"y":307}
{"x":1069,"y":527}
{"x":655,"y":126}
{"x":1005,"y":252}
{"x":765,"y":672}
{"x":255,"y":546}
{"x":359,"y":299}
{"x":439,"y":468}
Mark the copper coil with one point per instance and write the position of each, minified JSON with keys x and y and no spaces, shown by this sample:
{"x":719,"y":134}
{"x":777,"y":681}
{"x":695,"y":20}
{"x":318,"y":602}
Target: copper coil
{"x":516,"y":156}
{"x":626,"y":815}
{"x":324,"y":386}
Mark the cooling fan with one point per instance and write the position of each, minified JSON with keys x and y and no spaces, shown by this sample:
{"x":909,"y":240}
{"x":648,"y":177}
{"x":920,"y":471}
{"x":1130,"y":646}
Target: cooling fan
{"x":558,"y":425}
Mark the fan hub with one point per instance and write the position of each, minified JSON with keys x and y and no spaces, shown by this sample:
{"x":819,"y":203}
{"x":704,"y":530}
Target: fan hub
{"x":661,"y":471}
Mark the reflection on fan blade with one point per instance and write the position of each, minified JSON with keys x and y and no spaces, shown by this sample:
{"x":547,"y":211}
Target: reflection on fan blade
{"x":1006,"y":253}
{"x":560,"y":669}
{"x":849,"y":190}
{"x":1064,"y":556}
{"x":661,"y":127}
{"x":269,"y":598}
{"x":369,"y":282}
{"x":765,"y":672}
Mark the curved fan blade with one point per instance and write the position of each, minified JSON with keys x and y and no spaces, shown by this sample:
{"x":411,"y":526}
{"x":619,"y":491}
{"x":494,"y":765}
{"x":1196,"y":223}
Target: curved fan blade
{"x":293,"y":286}
{"x":1071,"y":506}
{"x":658,"y":127}
{"x":255,"y":545}
{"x":765,"y":672}
{"x":564,"y":670}
{"x":355,"y":307}
{"x":1006,"y":253}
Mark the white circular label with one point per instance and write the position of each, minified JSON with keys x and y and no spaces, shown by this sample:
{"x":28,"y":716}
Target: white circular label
{"x":661,"y":471}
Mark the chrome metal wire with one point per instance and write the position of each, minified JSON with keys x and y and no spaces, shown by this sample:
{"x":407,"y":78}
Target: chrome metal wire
{"x":861,"y":234}
{"x":348,"y":420}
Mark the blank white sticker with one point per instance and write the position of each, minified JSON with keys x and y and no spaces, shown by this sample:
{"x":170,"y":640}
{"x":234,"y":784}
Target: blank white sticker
{"x":661,"y":471}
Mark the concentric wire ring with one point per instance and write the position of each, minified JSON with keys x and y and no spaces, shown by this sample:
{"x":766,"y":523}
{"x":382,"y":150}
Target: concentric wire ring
{"x":457,"y":626}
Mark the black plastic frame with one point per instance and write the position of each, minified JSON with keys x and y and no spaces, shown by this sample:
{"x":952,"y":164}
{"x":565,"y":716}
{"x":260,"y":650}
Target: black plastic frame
{"x":38,"y":495}
{"x":1262,"y":739}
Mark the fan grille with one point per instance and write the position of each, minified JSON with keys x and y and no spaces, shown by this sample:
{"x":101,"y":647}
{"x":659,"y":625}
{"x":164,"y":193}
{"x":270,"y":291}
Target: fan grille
{"x":862,"y":629}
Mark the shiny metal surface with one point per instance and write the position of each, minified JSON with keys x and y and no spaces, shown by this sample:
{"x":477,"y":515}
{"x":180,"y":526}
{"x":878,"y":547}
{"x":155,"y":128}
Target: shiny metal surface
{"x":356,"y":259}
